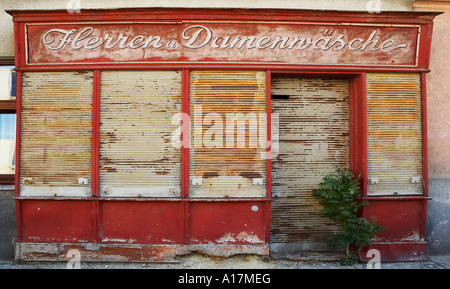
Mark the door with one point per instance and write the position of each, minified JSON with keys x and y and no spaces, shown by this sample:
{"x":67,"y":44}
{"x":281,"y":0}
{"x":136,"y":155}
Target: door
{"x":313,"y":142}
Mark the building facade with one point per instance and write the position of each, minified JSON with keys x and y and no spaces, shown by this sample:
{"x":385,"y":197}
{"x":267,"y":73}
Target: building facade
{"x":313,"y":91}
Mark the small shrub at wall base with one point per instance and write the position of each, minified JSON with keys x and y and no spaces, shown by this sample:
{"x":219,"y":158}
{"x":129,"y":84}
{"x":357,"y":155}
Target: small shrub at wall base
{"x":339,"y":194}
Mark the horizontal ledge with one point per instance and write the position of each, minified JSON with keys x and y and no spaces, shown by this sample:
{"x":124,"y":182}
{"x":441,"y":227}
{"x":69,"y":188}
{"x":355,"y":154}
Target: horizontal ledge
{"x":212,"y":65}
{"x":395,"y":198}
{"x":146,"y":199}
{"x":97,"y":252}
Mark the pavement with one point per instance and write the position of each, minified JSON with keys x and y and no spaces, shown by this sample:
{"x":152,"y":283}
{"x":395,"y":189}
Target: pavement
{"x":234,"y":262}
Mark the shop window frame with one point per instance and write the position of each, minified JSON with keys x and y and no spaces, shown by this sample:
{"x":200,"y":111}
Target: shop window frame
{"x":7,"y":107}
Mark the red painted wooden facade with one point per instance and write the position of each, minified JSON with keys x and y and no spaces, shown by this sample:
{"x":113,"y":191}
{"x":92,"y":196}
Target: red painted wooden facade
{"x":170,"y":225}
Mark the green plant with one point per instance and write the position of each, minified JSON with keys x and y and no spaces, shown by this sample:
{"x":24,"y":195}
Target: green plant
{"x":339,"y":195}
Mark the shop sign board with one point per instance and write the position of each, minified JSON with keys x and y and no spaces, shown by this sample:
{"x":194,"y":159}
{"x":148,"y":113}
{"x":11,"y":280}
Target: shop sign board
{"x":219,"y":42}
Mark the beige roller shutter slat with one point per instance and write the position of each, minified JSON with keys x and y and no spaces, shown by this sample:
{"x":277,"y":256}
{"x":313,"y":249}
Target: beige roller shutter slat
{"x":137,"y":158}
{"x":394,"y":134}
{"x":56,"y":133}
{"x":225,"y":161}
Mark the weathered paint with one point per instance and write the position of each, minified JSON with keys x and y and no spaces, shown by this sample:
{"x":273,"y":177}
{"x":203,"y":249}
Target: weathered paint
{"x":228,"y":133}
{"x":227,"y":222}
{"x":56,"y":128}
{"x":56,"y":221}
{"x":138,"y":157}
{"x":211,"y":221}
{"x":313,"y":142}
{"x":148,"y":221}
{"x":404,"y":236}
{"x":405,"y":226}
{"x":438,"y":130}
{"x":346,"y":28}
{"x":396,"y":252}
{"x":141,"y":222}
{"x":128,"y":253}
{"x":394,"y":134}
{"x":230,"y":42}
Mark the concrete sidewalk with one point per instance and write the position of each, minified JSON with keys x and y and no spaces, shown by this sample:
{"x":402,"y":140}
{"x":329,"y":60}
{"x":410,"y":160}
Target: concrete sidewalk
{"x":236,"y":262}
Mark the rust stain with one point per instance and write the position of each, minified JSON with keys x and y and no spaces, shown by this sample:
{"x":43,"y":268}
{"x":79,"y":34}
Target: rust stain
{"x":112,"y":138}
{"x":210,"y":174}
{"x":250,"y":175}
{"x":234,"y":87}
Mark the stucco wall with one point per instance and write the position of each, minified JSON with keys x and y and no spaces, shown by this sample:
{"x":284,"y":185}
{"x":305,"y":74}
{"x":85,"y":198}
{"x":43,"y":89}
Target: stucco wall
{"x":7,"y":222}
{"x":6,"y":27}
{"x":438,"y":101}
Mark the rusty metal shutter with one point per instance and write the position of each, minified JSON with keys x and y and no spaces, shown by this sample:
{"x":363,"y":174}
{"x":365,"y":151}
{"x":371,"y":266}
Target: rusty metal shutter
{"x":56,"y":133}
{"x":394,"y":134}
{"x":220,"y":165}
{"x":137,"y":157}
{"x":313,"y":142}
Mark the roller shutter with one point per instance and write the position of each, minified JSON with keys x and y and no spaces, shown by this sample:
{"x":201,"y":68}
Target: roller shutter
{"x":137,"y":155}
{"x":394,"y":134}
{"x":228,"y":134}
{"x":313,"y":142}
{"x":56,"y":133}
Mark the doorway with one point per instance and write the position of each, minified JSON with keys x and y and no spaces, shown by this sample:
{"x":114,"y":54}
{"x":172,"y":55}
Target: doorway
{"x":313,"y":121}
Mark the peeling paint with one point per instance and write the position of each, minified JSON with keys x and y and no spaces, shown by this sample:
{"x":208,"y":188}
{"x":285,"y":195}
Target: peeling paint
{"x":129,"y":252}
{"x":241,"y":237}
{"x":413,"y":237}
{"x":227,"y":238}
{"x":249,"y":238}
{"x":118,"y":240}
{"x":34,"y":238}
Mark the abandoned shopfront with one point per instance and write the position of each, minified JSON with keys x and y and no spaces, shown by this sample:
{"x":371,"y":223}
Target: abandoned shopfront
{"x":148,"y":133}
